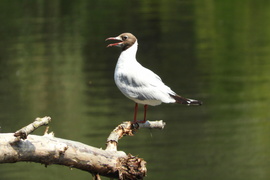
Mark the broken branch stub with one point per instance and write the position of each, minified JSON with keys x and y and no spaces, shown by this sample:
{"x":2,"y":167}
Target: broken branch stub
{"x":48,"y":149}
{"x":128,"y":129}
{"x":23,"y":132}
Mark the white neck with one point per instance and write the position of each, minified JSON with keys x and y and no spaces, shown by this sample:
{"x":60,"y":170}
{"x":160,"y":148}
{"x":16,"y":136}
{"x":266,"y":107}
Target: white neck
{"x":130,"y":53}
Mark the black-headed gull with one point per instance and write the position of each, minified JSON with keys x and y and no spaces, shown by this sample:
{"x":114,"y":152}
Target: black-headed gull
{"x":139,"y":83}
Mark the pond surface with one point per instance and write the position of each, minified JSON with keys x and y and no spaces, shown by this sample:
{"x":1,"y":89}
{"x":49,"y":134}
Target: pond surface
{"x":54,"y":62}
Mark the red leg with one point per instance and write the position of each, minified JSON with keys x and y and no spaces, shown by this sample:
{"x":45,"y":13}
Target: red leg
{"x":135,"y":113}
{"x":145,"y":109}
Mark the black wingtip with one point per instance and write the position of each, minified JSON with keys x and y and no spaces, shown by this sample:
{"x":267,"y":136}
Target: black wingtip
{"x":194,"y":102}
{"x":182,"y":100}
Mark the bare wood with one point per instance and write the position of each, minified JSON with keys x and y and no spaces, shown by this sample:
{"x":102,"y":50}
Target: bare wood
{"x":128,"y":129}
{"x":23,"y":132}
{"x":153,"y":124}
{"x":48,"y":150}
{"x":96,"y":177}
{"x":123,"y":129}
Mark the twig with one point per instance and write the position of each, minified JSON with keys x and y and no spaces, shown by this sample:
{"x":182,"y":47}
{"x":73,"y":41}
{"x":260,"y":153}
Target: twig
{"x":96,"y":177}
{"x":128,"y":128}
{"x":123,"y":129}
{"x":152,"y":124}
{"x":23,"y":132}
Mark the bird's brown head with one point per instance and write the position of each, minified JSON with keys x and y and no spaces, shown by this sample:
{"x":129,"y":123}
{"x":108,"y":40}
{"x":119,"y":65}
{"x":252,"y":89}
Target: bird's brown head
{"x":126,"y":40}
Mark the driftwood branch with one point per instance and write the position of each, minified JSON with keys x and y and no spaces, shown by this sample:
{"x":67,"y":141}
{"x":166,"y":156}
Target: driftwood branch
{"x":23,"y":132}
{"x":48,"y":150}
{"x":128,"y":129}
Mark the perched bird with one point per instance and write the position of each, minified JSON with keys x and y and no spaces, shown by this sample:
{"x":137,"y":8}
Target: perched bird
{"x":139,"y":83}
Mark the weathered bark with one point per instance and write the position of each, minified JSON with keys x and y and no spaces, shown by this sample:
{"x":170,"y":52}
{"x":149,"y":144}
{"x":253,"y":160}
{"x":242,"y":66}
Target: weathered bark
{"x":23,"y":132}
{"x":49,"y":150}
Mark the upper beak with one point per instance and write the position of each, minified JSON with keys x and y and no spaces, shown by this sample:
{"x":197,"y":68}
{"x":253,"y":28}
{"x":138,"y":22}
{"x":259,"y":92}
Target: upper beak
{"x":115,"y":38}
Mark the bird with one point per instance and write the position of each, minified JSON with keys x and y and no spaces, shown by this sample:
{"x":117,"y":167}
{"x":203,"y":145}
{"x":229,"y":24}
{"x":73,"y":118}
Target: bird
{"x":138,"y":83}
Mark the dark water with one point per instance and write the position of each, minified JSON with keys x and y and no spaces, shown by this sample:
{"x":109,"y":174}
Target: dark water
{"x":54,"y":62}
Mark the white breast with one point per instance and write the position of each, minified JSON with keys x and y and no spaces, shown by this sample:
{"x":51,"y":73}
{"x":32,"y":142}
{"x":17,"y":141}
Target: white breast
{"x":139,"y":83}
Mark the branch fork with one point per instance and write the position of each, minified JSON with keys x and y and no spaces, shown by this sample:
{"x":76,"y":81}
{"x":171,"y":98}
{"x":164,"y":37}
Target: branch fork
{"x":48,"y":149}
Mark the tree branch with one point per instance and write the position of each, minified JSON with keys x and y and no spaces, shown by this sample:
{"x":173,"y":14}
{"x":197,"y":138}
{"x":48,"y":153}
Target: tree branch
{"x":23,"y":132}
{"x":128,"y":129}
{"x":49,"y":150}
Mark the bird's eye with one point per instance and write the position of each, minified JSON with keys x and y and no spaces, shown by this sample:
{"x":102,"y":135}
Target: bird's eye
{"x":124,"y":38}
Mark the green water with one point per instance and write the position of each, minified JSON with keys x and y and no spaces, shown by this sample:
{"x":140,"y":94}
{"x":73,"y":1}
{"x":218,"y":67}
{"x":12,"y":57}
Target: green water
{"x":54,"y":62}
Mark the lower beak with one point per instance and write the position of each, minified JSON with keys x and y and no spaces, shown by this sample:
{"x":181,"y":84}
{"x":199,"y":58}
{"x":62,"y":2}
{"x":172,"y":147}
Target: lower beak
{"x":114,"y":44}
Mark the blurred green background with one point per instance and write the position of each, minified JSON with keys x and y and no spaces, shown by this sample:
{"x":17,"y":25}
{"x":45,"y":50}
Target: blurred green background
{"x":54,"y":62}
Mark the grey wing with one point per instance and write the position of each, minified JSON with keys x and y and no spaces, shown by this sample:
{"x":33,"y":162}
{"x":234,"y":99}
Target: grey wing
{"x":143,"y":85}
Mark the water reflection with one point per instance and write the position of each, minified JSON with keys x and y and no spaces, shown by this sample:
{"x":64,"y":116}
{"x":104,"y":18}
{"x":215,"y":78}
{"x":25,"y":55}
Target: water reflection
{"x":54,"y":62}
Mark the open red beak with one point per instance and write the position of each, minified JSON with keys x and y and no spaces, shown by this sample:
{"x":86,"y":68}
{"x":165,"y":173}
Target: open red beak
{"x":115,"y":44}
